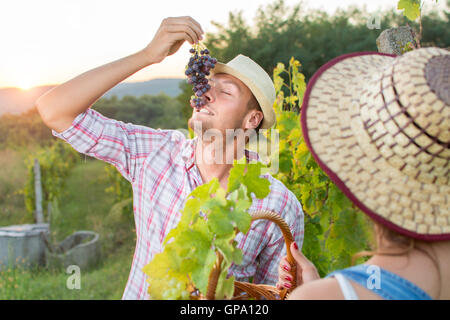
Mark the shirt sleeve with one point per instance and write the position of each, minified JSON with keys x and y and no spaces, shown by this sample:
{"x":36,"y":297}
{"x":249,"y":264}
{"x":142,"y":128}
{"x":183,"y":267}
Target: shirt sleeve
{"x":263,"y":246}
{"x":124,"y":145}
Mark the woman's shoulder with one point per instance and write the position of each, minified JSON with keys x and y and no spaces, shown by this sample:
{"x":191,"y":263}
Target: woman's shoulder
{"x":322,"y":289}
{"x":329,"y":288}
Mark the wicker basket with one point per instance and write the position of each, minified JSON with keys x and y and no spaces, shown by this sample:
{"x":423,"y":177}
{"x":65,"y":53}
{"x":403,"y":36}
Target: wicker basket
{"x":246,"y":290}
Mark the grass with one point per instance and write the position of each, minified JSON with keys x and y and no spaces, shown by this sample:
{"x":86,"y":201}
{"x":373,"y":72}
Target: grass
{"x":84,"y":203}
{"x":105,"y":282}
{"x":13,"y":175}
{"x":84,"y":206}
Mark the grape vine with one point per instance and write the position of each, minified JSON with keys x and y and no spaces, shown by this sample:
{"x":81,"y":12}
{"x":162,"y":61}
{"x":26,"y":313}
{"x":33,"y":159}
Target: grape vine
{"x":329,"y":215}
{"x":56,"y":162}
{"x":412,"y":9}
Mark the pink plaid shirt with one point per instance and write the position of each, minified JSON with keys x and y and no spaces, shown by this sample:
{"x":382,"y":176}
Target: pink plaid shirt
{"x":160,"y":166}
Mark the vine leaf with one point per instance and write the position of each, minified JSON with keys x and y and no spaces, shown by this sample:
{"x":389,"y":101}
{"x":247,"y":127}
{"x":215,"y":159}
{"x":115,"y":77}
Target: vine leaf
{"x":251,"y":179}
{"x":411,"y":8}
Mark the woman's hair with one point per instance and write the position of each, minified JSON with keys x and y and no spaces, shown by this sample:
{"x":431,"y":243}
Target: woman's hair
{"x":402,"y":244}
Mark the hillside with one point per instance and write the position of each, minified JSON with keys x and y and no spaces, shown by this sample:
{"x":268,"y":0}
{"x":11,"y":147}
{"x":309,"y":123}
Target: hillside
{"x":17,"y":101}
{"x":151,"y":87}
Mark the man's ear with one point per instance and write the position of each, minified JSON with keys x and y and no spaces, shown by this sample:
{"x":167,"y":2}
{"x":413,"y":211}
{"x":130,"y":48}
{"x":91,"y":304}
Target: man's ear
{"x":254,"y":119}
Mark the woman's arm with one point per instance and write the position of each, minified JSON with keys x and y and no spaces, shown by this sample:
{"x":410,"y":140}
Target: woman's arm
{"x":306,"y":270}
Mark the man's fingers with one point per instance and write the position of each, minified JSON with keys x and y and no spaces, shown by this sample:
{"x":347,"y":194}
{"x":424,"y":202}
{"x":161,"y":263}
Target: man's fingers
{"x":180,"y":30}
{"x":197,"y":24}
{"x":186,"y":24}
{"x":191,"y":21}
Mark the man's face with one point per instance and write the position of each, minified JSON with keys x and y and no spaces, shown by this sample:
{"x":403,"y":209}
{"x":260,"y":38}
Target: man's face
{"x":227,"y":101}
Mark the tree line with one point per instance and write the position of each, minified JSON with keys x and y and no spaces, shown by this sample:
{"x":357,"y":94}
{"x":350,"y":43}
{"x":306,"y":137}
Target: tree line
{"x":160,"y":111}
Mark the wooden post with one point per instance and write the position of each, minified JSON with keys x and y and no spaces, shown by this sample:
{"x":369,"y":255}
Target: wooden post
{"x":49,"y":212}
{"x":38,"y":192}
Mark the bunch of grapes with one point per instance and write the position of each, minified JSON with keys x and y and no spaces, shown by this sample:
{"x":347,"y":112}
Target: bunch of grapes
{"x":197,"y":70}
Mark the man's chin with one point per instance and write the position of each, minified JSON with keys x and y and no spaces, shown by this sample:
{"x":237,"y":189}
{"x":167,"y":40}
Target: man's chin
{"x":199,"y":126}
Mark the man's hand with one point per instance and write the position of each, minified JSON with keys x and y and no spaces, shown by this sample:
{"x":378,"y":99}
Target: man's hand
{"x":171,"y":35}
{"x":306,"y":271}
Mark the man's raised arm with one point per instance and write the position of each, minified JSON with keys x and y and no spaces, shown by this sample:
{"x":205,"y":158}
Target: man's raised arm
{"x":60,"y":106}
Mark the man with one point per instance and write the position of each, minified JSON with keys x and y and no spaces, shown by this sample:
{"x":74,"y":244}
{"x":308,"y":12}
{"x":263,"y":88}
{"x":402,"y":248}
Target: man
{"x":162,"y":164}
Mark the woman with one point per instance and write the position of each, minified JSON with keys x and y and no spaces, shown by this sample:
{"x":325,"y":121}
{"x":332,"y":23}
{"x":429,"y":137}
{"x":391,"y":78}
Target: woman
{"x":379,"y":126}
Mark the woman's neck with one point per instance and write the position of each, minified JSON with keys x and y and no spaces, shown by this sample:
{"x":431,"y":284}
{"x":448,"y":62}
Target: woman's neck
{"x":419,"y":268}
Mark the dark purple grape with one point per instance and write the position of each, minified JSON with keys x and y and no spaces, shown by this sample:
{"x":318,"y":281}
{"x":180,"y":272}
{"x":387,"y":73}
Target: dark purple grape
{"x":198,"y":68}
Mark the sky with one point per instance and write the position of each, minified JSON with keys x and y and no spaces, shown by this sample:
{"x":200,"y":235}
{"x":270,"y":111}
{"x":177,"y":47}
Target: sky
{"x":47,"y":42}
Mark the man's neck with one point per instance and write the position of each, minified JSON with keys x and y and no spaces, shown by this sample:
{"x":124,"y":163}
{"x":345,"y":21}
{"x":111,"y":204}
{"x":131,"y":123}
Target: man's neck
{"x":215,"y":160}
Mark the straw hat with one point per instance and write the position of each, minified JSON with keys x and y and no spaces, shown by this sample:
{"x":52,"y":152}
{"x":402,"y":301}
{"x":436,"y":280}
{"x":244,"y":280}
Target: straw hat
{"x":257,"y":80}
{"x":379,"y":126}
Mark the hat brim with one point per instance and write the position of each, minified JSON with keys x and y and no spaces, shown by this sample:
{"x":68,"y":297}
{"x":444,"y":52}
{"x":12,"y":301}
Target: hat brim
{"x":334,"y":133}
{"x":269,"y":119}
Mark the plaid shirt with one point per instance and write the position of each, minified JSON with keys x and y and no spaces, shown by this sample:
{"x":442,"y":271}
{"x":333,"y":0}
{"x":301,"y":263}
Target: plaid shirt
{"x":160,"y":166}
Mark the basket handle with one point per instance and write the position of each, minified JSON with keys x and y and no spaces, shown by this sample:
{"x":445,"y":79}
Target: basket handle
{"x":288,"y":239}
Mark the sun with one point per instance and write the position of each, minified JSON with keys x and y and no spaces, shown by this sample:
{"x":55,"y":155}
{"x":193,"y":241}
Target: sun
{"x":25,"y":85}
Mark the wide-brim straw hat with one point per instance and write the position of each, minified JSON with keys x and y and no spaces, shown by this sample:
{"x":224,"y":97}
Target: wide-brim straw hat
{"x":379,"y":126}
{"x":257,"y":80}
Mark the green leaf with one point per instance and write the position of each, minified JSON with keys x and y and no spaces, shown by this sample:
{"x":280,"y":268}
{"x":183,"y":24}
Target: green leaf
{"x":200,"y":275}
{"x":259,"y":186}
{"x":278,"y":81}
{"x":202,"y":192}
{"x":219,"y":223}
{"x":242,"y":218}
{"x":227,"y":248}
{"x":225,"y":288}
{"x":411,"y":8}
{"x":162,"y":274}
{"x":285,"y":159}
{"x":235,"y":177}
{"x":295,"y":135}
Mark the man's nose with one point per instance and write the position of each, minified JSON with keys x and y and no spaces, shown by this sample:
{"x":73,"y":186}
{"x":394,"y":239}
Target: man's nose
{"x":210,"y":94}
